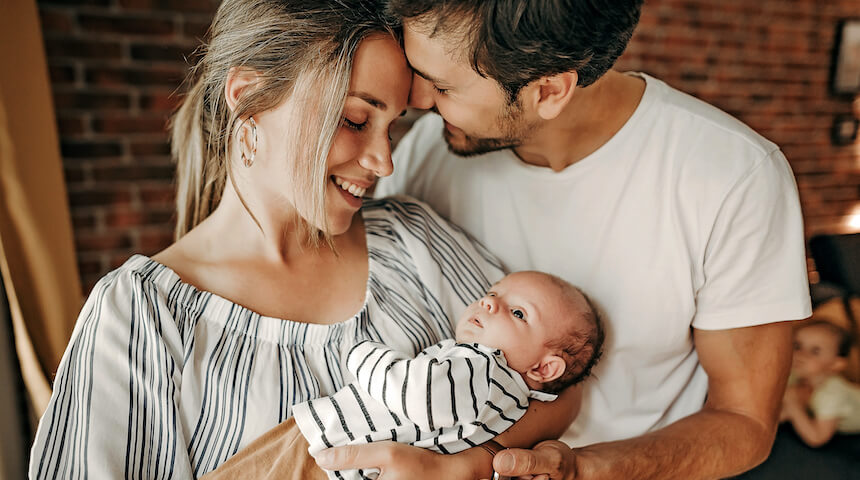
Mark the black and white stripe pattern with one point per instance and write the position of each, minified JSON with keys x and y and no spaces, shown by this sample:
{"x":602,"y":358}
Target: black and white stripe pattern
{"x":161,"y":380}
{"x":447,"y":398}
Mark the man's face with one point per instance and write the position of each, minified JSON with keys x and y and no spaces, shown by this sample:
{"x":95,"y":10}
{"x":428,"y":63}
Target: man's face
{"x":478,"y":117}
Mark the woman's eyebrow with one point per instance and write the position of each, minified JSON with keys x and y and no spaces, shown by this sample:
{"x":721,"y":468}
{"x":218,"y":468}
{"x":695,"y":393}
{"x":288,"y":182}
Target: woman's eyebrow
{"x":370,"y":99}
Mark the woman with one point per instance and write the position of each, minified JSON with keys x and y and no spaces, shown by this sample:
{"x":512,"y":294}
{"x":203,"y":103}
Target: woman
{"x":180,"y":360}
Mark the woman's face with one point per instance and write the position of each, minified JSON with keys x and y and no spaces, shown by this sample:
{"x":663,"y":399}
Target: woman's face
{"x":361,"y":150}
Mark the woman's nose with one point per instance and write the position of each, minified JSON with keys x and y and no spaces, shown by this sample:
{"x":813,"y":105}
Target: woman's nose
{"x":377,"y":157}
{"x":421,"y":94}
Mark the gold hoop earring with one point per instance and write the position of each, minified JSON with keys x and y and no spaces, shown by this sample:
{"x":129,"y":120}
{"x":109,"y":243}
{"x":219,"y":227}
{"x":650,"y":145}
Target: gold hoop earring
{"x":249,"y":160}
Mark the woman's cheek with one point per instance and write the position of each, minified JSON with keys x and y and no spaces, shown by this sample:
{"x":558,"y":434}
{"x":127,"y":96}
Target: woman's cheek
{"x":344,"y":147}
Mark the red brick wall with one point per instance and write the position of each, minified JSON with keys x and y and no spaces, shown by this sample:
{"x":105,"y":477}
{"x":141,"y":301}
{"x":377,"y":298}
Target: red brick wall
{"x":114,"y":64}
{"x":766,"y":62}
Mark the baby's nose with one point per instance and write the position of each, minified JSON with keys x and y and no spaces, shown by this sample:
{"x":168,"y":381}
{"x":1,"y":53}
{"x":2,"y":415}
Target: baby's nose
{"x":490,"y":304}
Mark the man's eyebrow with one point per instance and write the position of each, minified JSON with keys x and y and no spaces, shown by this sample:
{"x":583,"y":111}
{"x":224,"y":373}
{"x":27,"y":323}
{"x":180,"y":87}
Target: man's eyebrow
{"x":426,"y":76}
{"x":369,"y":99}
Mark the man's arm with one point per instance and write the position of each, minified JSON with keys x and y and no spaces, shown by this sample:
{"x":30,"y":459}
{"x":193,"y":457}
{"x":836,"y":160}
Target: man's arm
{"x":747,"y":370}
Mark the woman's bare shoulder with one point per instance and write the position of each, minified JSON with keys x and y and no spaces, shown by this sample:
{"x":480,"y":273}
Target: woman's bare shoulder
{"x":186,"y":258}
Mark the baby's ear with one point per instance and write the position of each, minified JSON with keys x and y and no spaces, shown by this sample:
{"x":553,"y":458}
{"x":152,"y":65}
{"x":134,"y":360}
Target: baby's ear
{"x":550,"y":368}
{"x":839,"y":365}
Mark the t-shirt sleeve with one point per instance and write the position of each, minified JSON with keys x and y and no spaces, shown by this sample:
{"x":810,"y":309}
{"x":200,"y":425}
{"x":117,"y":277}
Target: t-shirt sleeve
{"x":754,"y":263}
{"x":113,"y":411}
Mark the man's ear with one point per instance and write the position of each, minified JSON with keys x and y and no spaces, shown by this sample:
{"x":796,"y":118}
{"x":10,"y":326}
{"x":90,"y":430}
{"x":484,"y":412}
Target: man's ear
{"x":548,"y":369}
{"x":550,"y":95}
{"x":238,"y":79}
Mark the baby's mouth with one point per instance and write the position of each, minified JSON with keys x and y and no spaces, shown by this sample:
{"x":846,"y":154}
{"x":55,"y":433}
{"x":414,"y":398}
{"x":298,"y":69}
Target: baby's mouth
{"x":476,"y":321}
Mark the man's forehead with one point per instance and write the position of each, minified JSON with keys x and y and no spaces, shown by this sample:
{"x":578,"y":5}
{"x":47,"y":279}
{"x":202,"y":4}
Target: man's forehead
{"x":436,"y":57}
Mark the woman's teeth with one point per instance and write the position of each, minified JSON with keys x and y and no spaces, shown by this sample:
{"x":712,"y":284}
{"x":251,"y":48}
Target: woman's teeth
{"x":355,"y":190}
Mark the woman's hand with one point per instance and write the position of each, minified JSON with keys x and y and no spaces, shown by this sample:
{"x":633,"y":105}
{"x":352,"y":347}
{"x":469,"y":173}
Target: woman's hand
{"x":548,"y":460}
{"x":397,"y":461}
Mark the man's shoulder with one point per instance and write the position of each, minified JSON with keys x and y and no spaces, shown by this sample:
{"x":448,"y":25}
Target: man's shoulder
{"x":698,"y":120}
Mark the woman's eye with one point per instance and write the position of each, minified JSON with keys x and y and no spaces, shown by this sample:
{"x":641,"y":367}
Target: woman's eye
{"x":518,"y":313}
{"x":355,"y":126}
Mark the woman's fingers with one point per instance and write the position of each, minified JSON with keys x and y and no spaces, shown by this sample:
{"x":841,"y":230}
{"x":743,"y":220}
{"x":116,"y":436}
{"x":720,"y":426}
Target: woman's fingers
{"x":372,"y":455}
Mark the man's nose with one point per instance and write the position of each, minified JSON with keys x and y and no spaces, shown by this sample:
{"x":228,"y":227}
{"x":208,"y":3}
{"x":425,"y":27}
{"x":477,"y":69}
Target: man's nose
{"x":421,"y":94}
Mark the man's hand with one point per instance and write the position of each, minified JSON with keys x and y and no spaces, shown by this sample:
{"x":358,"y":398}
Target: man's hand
{"x":549,"y":460}
{"x":397,"y":461}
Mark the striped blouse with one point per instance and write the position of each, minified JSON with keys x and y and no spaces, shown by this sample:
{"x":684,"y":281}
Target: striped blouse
{"x":449,"y":397}
{"x":161,"y":380}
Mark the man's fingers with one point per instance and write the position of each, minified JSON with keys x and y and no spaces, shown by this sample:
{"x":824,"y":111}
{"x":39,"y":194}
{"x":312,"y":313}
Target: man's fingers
{"x":515,"y":461}
{"x":354,"y":456}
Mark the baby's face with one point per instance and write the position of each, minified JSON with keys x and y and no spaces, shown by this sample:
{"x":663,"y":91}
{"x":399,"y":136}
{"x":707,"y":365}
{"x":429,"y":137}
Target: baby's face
{"x":519,"y":315}
{"x":815,"y":352}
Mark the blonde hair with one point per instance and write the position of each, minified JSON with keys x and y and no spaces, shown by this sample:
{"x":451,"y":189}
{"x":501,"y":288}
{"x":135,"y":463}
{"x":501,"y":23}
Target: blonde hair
{"x":299,"y":49}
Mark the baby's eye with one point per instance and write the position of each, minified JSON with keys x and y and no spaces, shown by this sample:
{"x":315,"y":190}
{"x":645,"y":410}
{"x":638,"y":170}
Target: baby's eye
{"x":491,"y":294}
{"x":518,"y":313}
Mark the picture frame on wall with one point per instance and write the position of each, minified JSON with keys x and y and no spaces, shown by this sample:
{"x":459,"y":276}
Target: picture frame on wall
{"x":844,"y":130}
{"x":845,"y":79}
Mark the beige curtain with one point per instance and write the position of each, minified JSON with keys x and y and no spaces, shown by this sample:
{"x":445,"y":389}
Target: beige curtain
{"x":37,"y":256}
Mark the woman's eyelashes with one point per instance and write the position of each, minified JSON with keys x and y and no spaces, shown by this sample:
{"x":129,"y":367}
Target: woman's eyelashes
{"x":354,"y":125}
{"x":440,"y":91}
{"x":359,"y":127}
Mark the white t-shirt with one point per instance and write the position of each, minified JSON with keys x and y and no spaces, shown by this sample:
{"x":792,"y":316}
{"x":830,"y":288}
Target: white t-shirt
{"x":685,"y":218}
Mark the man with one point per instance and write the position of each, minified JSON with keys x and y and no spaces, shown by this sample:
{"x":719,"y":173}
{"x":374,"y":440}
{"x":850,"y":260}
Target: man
{"x":680,"y":221}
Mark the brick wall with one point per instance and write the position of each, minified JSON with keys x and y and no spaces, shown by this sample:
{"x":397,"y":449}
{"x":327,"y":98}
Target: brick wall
{"x":114,"y":64}
{"x":766,"y":62}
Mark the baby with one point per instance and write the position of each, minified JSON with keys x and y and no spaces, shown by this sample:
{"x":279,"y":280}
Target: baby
{"x":818,"y":401}
{"x":530,"y":336}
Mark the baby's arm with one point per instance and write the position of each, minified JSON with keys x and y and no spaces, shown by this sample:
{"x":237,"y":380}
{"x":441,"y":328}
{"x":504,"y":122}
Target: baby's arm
{"x":815,"y":432}
{"x":428,"y":389}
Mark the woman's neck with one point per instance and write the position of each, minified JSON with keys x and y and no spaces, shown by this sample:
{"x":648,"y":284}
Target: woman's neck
{"x":246,"y":224}
{"x":272,"y":235}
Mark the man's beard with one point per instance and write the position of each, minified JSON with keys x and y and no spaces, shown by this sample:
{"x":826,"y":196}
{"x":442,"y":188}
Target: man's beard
{"x":514,"y":132}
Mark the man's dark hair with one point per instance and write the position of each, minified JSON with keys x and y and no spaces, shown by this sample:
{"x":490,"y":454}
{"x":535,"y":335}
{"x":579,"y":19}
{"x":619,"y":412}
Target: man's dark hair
{"x":518,"y":41}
